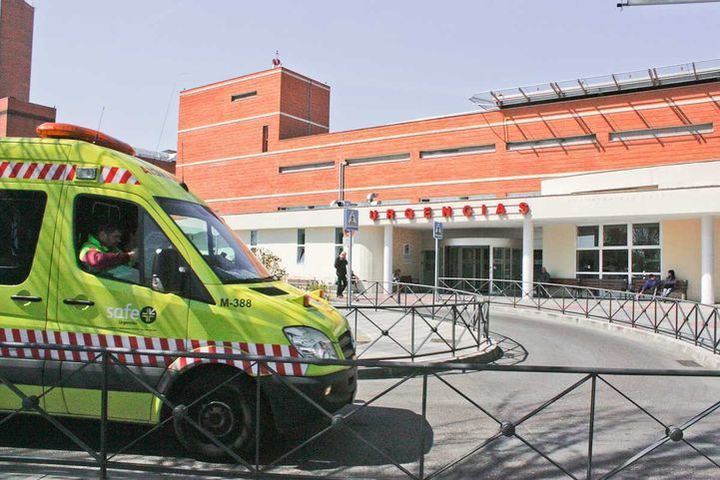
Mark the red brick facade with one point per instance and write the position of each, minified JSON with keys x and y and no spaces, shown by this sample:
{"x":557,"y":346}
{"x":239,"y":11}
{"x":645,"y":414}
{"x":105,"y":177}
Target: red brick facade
{"x":16,"y":37}
{"x":18,"y":117}
{"x":221,"y":158}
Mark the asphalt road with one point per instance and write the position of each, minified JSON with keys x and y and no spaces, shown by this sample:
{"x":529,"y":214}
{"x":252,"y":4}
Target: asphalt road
{"x":392,"y":430}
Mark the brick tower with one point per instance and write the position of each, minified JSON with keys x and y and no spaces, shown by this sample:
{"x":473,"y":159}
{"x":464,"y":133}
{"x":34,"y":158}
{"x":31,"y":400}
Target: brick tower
{"x":18,"y":117}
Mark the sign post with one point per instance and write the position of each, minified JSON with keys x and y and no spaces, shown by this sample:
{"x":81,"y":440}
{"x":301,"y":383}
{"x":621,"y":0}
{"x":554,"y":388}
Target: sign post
{"x":351,"y":224}
{"x":437,"y":235}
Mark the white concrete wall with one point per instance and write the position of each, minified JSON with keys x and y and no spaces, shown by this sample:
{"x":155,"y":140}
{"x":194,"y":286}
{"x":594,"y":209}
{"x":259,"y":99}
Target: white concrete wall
{"x":681,"y":252}
{"x":320,"y":251}
{"x":558,"y":244}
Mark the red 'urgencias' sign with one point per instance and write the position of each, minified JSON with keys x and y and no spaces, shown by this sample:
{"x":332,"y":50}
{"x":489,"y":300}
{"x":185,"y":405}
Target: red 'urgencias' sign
{"x":448,"y":212}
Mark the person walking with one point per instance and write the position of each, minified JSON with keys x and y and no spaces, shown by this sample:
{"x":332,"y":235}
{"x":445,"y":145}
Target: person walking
{"x":341,"y":272}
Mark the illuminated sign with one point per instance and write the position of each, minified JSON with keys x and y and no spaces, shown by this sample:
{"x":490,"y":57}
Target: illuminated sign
{"x":500,"y":210}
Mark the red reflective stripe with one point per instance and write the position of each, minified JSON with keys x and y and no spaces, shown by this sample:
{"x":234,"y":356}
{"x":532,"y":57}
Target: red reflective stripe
{"x":43,"y":173}
{"x":30,"y":170}
{"x":59,"y":172}
{"x":3,"y":167}
{"x":16,"y":170}
{"x":111,"y":174}
{"x":71,"y":173}
{"x":277,"y":352}
{"x":135,"y":346}
{"x":126,"y":176}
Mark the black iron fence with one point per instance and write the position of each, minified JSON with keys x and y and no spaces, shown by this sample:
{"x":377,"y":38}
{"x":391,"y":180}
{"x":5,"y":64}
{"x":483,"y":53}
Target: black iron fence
{"x":682,"y":319}
{"x":497,"y":427}
{"x":397,"y":321}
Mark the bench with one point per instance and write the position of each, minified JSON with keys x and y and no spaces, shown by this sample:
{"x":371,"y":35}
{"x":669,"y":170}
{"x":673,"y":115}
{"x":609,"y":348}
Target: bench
{"x":573,"y":286}
{"x":680,"y":290}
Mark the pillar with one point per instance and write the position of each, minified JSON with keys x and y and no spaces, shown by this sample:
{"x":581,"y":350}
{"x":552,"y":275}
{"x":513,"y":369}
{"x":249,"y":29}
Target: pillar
{"x":388,"y":255}
{"x":707,"y":260}
{"x":527,"y":255}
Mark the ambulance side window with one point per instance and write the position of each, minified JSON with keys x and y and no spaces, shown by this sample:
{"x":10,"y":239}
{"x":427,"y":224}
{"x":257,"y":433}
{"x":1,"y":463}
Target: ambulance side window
{"x":138,"y":233}
{"x":21,"y":214}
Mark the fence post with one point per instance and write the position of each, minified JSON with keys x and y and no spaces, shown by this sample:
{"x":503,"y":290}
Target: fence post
{"x":591,"y":428}
{"x":104,"y":415}
{"x":422,"y":429}
{"x":454,"y":322}
{"x":258,"y":426}
{"x":377,"y":287}
{"x":412,"y":334}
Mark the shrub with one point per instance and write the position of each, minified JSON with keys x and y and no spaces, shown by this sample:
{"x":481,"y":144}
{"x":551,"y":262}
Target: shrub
{"x":271,"y":262}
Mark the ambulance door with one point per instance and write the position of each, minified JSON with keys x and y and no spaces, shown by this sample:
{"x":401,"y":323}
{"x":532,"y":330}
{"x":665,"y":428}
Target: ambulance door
{"x":121,"y":306}
{"x":28,"y":213}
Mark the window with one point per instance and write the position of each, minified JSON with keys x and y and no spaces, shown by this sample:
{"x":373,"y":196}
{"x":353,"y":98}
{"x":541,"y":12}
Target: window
{"x":620,"y":250}
{"x":241,"y":96}
{"x":307,"y":166}
{"x":399,"y":157}
{"x":301,"y":246}
{"x":451,"y":152}
{"x":662,"y":132}
{"x":21,"y":214}
{"x":265,"y":135}
{"x":253,"y":238}
{"x":228,"y":257}
{"x":552,"y":142}
{"x":135,"y":230}
{"x":339,"y":239}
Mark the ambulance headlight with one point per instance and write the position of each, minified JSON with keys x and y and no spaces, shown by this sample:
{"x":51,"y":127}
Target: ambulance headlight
{"x":310,"y":343}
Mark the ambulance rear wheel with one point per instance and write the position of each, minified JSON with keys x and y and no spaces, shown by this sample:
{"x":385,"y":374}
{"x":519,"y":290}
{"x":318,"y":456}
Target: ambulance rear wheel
{"x":226,"y":415}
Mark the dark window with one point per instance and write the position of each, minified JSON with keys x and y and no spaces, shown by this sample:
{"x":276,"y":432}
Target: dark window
{"x":301,"y":245}
{"x":615,"y":260}
{"x":646,"y":234}
{"x":614,"y":235}
{"x":552,"y":142}
{"x":662,"y":132}
{"x":21,"y":215}
{"x":646,"y":260}
{"x":339,"y":239}
{"x":138,"y":233}
{"x":587,"y":237}
{"x":588,"y":261}
{"x":265,"y":134}
{"x":379,"y":159}
{"x":450,"y":152}
{"x":253,"y":238}
{"x":241,"y":96}
{"x":307,"y":167}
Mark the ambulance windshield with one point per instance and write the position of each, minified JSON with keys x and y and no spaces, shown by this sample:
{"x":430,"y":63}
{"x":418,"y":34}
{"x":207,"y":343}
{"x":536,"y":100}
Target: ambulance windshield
{"x":229,"y":258}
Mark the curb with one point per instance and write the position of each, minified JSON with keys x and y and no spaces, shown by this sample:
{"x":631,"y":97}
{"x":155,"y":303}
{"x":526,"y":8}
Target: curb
{"x":698,"y":354}
{"x":490,"y":354}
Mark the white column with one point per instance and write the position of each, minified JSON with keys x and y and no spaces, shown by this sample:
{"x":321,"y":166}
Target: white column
{"x":527,"y":255}
{"x":707,"y":260}
{"x":388,"y":256}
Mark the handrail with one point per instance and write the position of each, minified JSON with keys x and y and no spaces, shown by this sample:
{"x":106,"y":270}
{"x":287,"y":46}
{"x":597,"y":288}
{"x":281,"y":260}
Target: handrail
{"x":685,"y":320}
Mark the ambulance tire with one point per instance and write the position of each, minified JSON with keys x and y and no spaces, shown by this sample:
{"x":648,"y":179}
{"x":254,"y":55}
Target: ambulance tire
{"x":228,"y":414}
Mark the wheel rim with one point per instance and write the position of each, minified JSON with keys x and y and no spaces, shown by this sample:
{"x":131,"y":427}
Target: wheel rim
{"x":217,"y":418}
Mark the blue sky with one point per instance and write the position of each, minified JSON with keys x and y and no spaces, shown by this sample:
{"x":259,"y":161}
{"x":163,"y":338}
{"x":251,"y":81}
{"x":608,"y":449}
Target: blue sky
{"x":386,"y":61}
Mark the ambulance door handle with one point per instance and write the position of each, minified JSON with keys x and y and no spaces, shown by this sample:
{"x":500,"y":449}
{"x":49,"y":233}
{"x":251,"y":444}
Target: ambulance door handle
{"x":77,"y":301}
{"x":26,"y":298}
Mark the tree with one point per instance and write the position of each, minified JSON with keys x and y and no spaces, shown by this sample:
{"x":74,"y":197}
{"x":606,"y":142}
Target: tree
{"x":271,"y":262}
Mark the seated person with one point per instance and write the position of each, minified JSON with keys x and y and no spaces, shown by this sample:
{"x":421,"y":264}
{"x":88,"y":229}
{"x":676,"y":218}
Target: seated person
{"x":544,"y":276}
{"x":101,"y":254}
{"x":668,"y":285}
{"x":650,"y":285}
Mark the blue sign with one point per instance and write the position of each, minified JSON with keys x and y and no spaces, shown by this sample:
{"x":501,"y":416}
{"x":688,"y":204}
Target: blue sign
{"x":351,"y":220}
{"x":437,"y":230}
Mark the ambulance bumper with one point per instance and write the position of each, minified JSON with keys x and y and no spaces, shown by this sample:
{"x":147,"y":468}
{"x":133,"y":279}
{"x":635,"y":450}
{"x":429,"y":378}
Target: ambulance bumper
{"x":331,"y":392}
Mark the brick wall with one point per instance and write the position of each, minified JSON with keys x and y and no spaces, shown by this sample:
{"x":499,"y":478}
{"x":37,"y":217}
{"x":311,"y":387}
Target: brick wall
{"x":16,"y":36}
{"x":252,"y":183}
{"x":20,"y":119}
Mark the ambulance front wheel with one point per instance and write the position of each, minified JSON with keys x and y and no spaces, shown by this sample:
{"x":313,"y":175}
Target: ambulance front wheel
{"x":216,"y":411}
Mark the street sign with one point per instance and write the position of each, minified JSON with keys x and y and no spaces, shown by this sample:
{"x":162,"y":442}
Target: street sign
{"x":351,"y":220}
{"x":437,"y":230}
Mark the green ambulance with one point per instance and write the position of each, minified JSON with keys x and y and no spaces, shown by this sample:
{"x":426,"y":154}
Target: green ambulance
{"x":191,"y":286}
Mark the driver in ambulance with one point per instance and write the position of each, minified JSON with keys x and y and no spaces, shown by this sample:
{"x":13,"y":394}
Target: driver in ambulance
{"x":101,"y":254}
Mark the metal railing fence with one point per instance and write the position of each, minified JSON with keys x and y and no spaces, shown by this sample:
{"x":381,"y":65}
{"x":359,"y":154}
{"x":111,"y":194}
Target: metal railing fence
{"x":419,"y":321}
{"x":685,"y":320}
{"x":258,"y":463}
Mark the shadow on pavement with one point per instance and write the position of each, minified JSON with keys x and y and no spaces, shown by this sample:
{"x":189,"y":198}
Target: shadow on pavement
{"x":336,"y":448}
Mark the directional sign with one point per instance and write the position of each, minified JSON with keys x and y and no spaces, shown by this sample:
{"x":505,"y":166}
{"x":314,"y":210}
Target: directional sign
{"x":351,"y":220}
{"x":437,"y":230}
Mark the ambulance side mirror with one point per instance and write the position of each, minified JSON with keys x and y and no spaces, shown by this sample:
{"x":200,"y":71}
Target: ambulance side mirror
{"x":168,"y":272}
